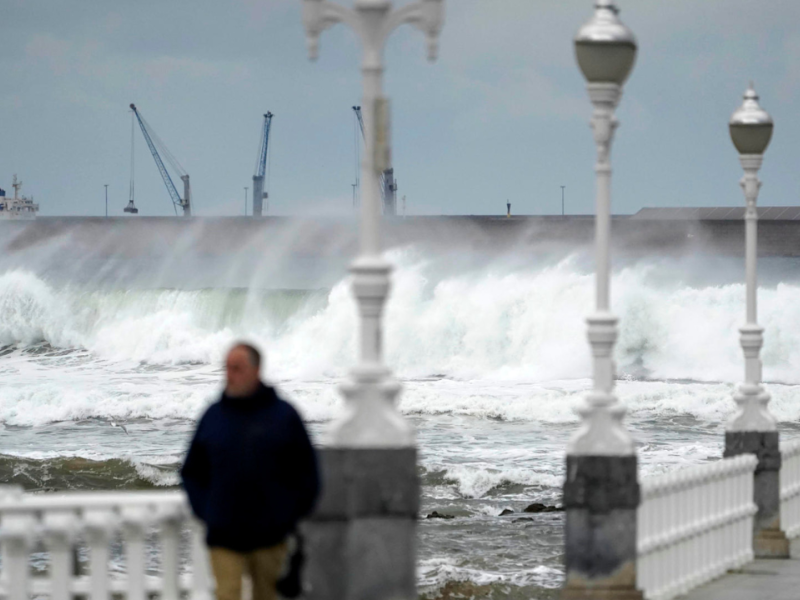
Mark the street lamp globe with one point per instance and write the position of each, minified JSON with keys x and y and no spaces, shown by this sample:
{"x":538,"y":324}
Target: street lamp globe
{"x":605,"y":47}
{"x":751,"y":126}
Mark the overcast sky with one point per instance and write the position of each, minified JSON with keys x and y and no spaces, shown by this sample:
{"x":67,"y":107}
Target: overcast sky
{"x":502,"y":115}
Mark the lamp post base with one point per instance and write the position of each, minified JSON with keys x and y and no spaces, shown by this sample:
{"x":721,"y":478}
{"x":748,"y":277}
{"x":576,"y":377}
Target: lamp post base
{"x":768,"y":539}
{"x":361,"y":539}
{"x":601,"y":497}
{"x":595,"y":593}
{"x":771,"y":543}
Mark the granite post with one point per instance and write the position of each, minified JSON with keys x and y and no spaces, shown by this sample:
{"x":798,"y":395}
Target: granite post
{"x":361,"y":539}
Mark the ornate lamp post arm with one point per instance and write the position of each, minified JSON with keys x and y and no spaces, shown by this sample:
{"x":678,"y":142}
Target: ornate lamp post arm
{"x":372,"y":420}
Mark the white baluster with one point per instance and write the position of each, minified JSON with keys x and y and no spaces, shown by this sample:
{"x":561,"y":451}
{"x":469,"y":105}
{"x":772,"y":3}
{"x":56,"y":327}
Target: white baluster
{"x":696,"y":563}
{"x":790,"y":489}
{"x":202,"y":582}
{"x":98,"y":525}
{"x":17,"y":533}
{"x":663,"y":528}
{"x":695,"y":556}
{"x":705,"y":514}
{"x":747,"y":486}
{"x":711,"y":538}
{"x":134,"y":522}
{"x":787,"y":478}
{"x":743,"y":484}
{"x":690,"y":520}
{"x":742,"y":498}
{"x":723,"y":491}
{"x":670,"y":556}
{"x":170,"y":519}
{"x":661,"y":556}
{"x":10,"y":494}
{"x":725,"y":538}
{"x":794,"y":505}
{"x":739,"y":500}
{"x":59,"y":528}
{"x":794,"y":501}
{"x":642,"y":528}
{"x":679,"y":497}
{"x":644,"y":567}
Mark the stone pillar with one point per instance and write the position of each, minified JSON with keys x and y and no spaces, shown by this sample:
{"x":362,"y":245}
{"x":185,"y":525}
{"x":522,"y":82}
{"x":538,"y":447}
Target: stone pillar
{"x":601,"y":497}
{"x":361,"y":540}
{"x":769,"y":541}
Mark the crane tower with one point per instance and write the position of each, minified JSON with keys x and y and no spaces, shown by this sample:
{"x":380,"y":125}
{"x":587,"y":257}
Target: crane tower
{"x":388,"y":182}
{"x":259,"y":195}
{"x":153,"y":141}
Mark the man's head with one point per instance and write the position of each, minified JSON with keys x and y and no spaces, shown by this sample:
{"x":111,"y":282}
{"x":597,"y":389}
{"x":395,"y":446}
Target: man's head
{"x":242,"y":368}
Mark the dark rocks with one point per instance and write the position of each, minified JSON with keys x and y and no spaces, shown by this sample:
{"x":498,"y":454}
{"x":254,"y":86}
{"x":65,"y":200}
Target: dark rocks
{"x":438,"y":515}
{"x":537,"y":507}
{"x":523,"y":520}
{"x":506,"y":511}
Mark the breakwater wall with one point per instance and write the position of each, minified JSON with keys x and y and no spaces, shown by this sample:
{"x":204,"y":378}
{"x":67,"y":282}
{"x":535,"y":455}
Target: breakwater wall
{"x":140,"y":236}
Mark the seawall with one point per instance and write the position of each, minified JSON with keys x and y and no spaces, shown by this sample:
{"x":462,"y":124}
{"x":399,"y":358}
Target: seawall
{"x":154,"y":236}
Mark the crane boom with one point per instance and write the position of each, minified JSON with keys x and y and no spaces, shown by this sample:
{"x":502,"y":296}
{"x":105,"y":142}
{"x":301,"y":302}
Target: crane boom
{"x":259,"y":195}
{"x":388,"y":182}
{"x":357,"y":110}
{"x":184,"y":203}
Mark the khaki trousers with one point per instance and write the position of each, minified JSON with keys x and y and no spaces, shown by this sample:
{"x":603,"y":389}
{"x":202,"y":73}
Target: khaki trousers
{"x":264,"y":566}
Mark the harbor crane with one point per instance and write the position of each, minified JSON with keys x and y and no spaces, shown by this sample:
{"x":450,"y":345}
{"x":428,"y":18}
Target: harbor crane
{"x":388,"y":182}
{"x":259,"y":195}
{"x":153,"y":141}
{"x":131,"y":208}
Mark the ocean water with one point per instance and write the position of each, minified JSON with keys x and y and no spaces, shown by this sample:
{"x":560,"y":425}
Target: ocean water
{"x":492,"y":355}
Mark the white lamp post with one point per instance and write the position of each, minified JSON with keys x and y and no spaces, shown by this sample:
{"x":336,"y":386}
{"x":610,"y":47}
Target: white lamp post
{"x":601,"y":492}
{"x":606,"y":50}
{"x":372,"y":420}
{"x":370,"y":498}
{"x":753,"y":429}
{"x":751,"y":131}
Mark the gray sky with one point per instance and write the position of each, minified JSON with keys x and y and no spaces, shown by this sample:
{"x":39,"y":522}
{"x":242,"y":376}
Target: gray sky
{"x":502,"y":115}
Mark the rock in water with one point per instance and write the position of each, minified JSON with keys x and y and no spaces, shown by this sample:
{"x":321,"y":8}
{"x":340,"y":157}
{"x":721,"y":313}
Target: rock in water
{"x":438,"y":515}
{"x":538,"y":507}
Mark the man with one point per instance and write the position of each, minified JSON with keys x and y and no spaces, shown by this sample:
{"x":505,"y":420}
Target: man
{"x":250,"y":475}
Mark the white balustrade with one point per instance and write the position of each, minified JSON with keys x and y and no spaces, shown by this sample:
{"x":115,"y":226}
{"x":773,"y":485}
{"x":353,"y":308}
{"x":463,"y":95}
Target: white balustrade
{"x":694,"y":525}
{"x":62,"y":522}
{"x":790,"y":488}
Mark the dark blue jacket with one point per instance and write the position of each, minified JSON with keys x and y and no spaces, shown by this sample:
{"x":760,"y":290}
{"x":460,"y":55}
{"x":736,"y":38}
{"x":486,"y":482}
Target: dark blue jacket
{"x":251,"y":472}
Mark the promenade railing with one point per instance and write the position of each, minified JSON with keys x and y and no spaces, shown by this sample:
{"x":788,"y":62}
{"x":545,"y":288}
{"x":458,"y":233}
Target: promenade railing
{"x":790,"y":488}
{"x":694,"y":525}
{"x":134,"y":545}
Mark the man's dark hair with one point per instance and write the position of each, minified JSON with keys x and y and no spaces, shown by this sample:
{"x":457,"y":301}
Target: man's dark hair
{"x":252,"y":353}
